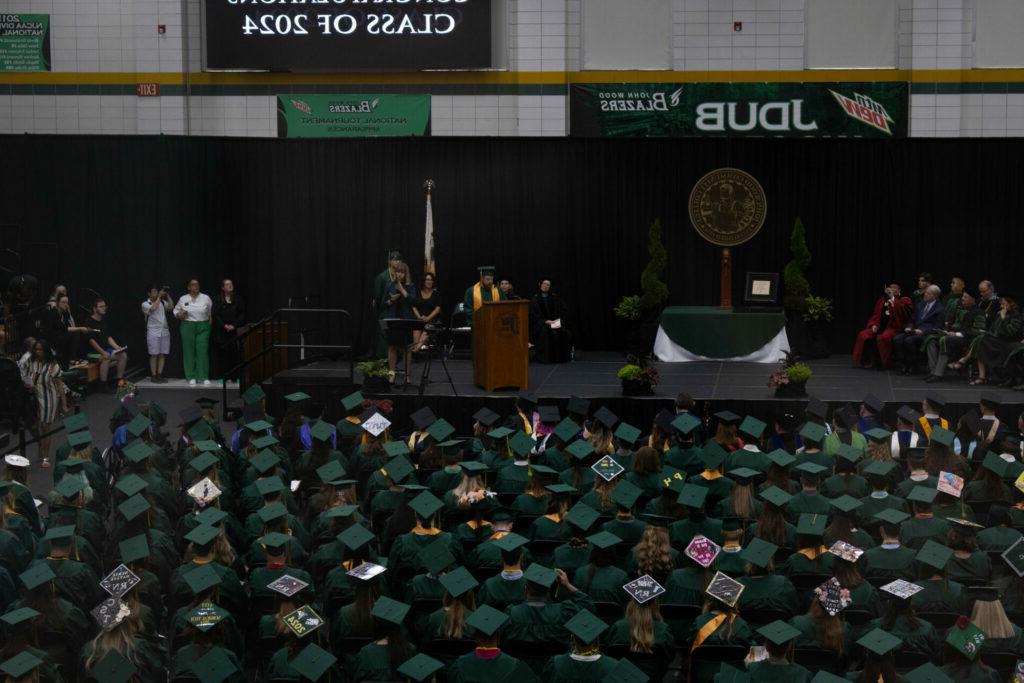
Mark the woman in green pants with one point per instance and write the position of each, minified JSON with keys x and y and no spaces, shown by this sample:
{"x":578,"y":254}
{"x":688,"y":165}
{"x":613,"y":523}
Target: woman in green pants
{"x":193,"y":310}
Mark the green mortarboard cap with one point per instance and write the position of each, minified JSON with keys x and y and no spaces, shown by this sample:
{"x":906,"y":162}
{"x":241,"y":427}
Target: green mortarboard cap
{"x":781,"y":458}
{"x":265,"y":441}
{"x":138,"y":450}
{"x":297,"y":396}
{"x":549,"y":414}
{"x":560,"y":489}
{"x":511,"y":542}
{"x":58,"y":533}
{"x":420,"y":668}
{"x":926,"y":673}
{"x":879,"y":642}
{"x":712,"y":455}
{"x":200,"y":431}
{"x":759,"y":552}
{"x":908,"y":414}
{"x":752,"y":427}
{"x":133,"y":507}
{"x":474,"y":466}
{"x":201,"y":578}
{"x":826,"y":677}
{"x":673,"y":481}
{"x":15,"y":617}
{"x":606,"y":417}
{"x":778,"y":632}
{"x":580,"y":449}
{"x":258,"y":426}
{"x":355,"y":537}
{"x":685,"y":423}
{"x":847,"y":452}
{"x":922,"y":494}
{"x":812,"y":431}
{"x":113,"y":668}
{"x":398,"y":469}
{"x":265,"y":461}
{"x":627,"y":433}
{"x":341,"y":511}
{"x":36,"y":575}
{"x":691,"y":496}
{"x":330,"y":471}
{"x":253,"y":395}
{"x":138,"y":425}
{"x":604,"y":539}
{"x":130,"y":484}
{"x":942,"y":436}
{"x":486,"y":417}
{"x":499,"y":433}
{"x":811,"y":468}
{"x":892,"y":516}
{"x":816,"y":408}
{"x":390,"y":610}
{"x":541,"y":575}
{"x":202,"y":534}
{"x":352,"y":401}
{"x":322,"y":431}
{"x":423,"y":418}
{"x":425,"y":504}
{"x":626,"y":494}
{"x":743,"y":475}
{"x":486,"y":270}
{"x":582,"y":516}
{"x":458,"y":582}
{"x":728,"y":417}
{"x":69,"y":486}
{"x":846,"y":503}
{"x":521,"y":444}
{"x":486,"y":620}
{"x":436,"y":557}
{"x":268,"y":513}
{"x":451,"y":446}
{"x":214,"y":667}
{"x":21,"y":664}
{"x":542,"y":469}
{"x":80,"y":438}
{"x":993,"y":463}
{"x":134,"y":548}
{"x":625,"y":672}
{"x":934,"y":554}
{"x":811,"y":524}
{"x":269,"y":485}
{"x":585,"y":626}
{"x":211,"y":516}
{"x":878,"y":434}
{"x":313,"y":662}
{"x":396,"y":448}
{"x":440,"y":430}
{"x":879,"y":468}
{"x":203,"y":462}
{"x":76,"y":422}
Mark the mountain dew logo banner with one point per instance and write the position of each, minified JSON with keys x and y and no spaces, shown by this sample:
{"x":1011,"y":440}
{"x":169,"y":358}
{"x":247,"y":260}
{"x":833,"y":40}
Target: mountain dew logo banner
{"x":352,"y":116}
{"x":856,"y":110}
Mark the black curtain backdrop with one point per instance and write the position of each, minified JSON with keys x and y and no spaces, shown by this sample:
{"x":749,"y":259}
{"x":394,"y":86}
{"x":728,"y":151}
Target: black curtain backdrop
{"x":294,"y":218}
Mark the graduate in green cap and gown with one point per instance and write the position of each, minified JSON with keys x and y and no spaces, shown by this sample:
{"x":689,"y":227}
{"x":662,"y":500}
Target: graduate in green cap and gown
{"x":601,"y":577}
{"x":779,"y":639}
{"x":484,"y":290}
{"x":764,"y":589}
{"x":575,"y":552}
{"x":508,"y":587}
{"x":642,"y":616}
{"x":584,"y":661}
{"x":380,"y":659}
{"x":811,"y":557}
{"x":458,"y":602}
{"x":625,"y":525}
{"x":719,"y":624}
{"x":488,"y":664}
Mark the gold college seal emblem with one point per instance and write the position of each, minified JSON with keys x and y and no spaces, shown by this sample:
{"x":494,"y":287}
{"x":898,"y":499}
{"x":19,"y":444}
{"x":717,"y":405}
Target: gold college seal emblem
{"x":727,"y":206}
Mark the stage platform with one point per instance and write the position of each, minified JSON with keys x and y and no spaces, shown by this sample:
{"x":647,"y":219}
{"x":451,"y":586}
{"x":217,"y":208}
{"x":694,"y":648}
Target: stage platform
{"x":743,"y":386}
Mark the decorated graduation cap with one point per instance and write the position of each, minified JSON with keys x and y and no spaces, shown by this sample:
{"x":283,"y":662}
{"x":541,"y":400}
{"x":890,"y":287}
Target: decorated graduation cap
{"x":725,"y":589}
{"x":582,"y":516}
{"x":685,"y":423}
{"x":904,"y":590}
{"x":966,"y":638}
{"x":811,"y":524}
{"x":643,"y":589}
{"x":206,"y":615}
{"x":110,"y":613}
{"x":702,"y":550}
{"x":778,"y":632}
{"x":604,"y":540}
{"x":879,"y":642}
{"x":486,"y":417}
{"x":606,"y":417}
{"x":1014,"y":557}
{"x":585,"y":626}
{"x":775,"y":496}
{"x":781,"y":458}
{"x":425,"y":504}
{"x":759,"y":552}
{"x":833,"y":597}
{"x":375,"y":423}
{"x":813,"y":432}
{"x":458,"y":582}
{"x":580,"y":449}
{"x":366,"y":571}
{"x":303,"y":621}
{"x":436,"y":557}
{"x":420,"y":668}
{"x":691,"y":496}
{"x":486,"y":620}
{"x":627,"y":434}
{"x":287,"y":585}
{"x":626,"y":494}
{"x":846,"y":551}
{"x":607,"y":468}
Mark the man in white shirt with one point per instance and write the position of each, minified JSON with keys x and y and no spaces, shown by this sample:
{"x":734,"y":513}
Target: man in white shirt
{"x":158,"y":333}
{"x":193,"y":310}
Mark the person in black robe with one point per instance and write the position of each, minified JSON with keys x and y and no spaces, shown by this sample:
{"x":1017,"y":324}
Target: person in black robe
{"x":549,"y":331}
{"x":228,"y":321}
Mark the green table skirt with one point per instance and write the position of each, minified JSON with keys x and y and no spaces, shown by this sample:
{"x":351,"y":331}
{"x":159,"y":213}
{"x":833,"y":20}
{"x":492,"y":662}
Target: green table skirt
{"x":720,"y":333}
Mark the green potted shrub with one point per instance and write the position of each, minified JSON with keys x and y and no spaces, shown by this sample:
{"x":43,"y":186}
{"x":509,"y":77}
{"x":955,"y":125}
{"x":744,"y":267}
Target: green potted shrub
{"x":642,"y":312}
{"x":816,"y":317}
{"x":790,"y":380}
{"x":637,"y":379}
{"x":375,"y":376}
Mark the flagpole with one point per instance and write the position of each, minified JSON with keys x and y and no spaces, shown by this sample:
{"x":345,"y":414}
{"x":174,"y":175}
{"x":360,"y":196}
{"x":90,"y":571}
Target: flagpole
{"x":428,"y":234}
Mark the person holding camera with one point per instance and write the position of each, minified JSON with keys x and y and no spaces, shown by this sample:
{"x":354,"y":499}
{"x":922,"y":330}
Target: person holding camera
{"x":193,"y":310}
{"x":158,"y":333}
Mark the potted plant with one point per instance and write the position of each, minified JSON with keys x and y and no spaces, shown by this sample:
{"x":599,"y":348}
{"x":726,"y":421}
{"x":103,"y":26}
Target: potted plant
{"x":637,"y":380}
{"x":790,"y":380}
{"x":817,"y":315}
{"x":375,"y":376}
{"x":643,"y":311}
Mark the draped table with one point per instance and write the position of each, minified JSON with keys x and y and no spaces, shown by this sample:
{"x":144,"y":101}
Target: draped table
{"x":692,"y":333}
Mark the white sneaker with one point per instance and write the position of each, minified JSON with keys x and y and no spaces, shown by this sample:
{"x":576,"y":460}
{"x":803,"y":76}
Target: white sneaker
{"x":191,"y":382}
{"x":206,"y":382}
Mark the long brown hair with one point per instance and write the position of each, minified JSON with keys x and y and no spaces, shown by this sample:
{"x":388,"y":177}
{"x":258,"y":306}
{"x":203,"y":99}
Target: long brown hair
{"x":743,"y":503}
{"x":604,"y":490}
{"x":725,"y":435}
{"x":455,"y":611}
{"x":641,"y":620}
{"x":120,"y":638}
{"x":771,"y":525}
{"x":653,"y":552}
{"x":828,"y":629}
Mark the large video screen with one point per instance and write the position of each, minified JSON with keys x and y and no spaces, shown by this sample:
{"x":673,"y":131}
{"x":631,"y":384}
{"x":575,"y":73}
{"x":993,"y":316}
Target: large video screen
{"x":342,"y":35}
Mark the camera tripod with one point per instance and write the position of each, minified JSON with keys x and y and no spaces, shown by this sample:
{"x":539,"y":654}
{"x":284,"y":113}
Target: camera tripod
{"x":435,"y":343}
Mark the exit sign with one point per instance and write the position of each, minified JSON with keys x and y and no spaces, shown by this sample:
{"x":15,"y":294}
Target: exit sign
{"x":147,"y":89}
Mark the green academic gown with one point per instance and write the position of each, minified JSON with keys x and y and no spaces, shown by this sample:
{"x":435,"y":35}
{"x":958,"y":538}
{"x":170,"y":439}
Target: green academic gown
{"x":685,"y":459}
{"x":472,"y":668}
{"x":889,"y":563}
{"x":808,"y":637}
{"x":797,"y":563}
{"x":773,"y":592}
{"x":915,"y":531}
{"x":546,"y":529}
{"x":997,"y":538}
{"x":406,"y":549}
{"x":922,"y":639}
{"x":683,"y":531}
{"x":740,"y":635}
{"x":569,"y":557}
{"x":232,"y":594}
{"x":500,"y":591}
{"x":974,"y":569}
{"x":544,"y":623}
{"x":76,"y":583}
{"x":187,"y":655}
{"x":486,"y":294}
{"x":628,"y":529}
{"x":807,"y":503}
{"x":372,"y":664}
{"x":512,"y":478}
{"x":778,"y":672}
{"x":684,"y":587}
{"x":566,"y":669}
{"x":664,"y":645}
{"x":845,"y":485}
{"x":605,"y":585}
{"x":487,"y":554}
{"x":940,"y":595}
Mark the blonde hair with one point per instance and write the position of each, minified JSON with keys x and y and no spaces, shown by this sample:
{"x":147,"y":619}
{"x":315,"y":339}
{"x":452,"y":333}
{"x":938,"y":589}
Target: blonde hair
{"x":602,"y":442}
{"x":989,"y":616}
{"x":120,"y":638}
{"x":641,"y":620}
{"x":653,"y":552}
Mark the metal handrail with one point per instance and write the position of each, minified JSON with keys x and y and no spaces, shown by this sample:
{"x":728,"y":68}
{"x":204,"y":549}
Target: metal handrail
{"x":236,"y":371}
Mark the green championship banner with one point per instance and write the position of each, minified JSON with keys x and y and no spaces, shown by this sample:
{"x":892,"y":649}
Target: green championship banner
{"x":856,"y":110}
{"x":24,"y":42}
{"x":352,"y":116}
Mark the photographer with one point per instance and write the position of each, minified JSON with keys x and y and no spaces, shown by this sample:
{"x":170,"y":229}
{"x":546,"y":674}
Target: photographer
{"x":158,"y":333}
{"x":104,"y":347}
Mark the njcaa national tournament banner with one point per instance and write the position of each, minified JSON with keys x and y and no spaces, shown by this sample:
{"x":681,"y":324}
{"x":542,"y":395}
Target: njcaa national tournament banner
{"x":24,"y":42}
{"x":861,"y":110}
{"x":352,"y":116}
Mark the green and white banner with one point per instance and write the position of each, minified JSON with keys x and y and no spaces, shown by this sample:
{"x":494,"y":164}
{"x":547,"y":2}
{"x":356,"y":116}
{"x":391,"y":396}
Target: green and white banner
{"x":861,"y":110}
{"x":24,"y":42}
{"x":352,"y":116}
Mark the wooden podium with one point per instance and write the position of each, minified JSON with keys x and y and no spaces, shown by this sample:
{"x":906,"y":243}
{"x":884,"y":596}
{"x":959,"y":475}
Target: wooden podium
{"x":501,"y":335}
